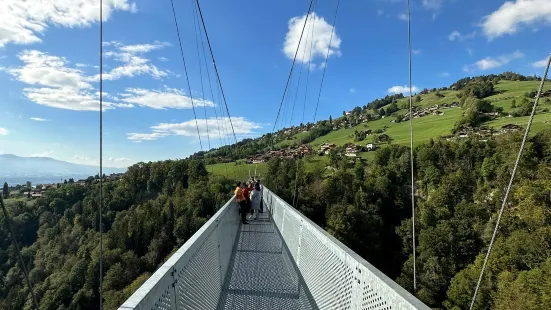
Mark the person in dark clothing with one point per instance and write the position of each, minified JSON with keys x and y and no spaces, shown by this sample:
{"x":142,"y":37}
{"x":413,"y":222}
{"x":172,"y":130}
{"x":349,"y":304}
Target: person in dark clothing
{"x":261,"y":196}
{"x":247,"y":192}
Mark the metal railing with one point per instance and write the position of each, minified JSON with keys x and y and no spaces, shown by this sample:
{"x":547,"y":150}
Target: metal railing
{"x":193,"y":277}
{"x":335,"y":277}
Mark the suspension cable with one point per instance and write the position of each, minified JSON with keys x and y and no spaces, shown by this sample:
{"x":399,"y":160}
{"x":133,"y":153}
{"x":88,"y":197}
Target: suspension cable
{"x":326,"y":59}
{"x":195,"y":22}
{"x":185,"y":70}
{"x":311,"y":30}
{"x":309,"y":65}
{"x":511,"y":181}
{"x":411,"y":150}
{"x":296,"y":192}
{"x":14,"y":240}
{"x":100,"y":207}
{"x":293,"y":64}
{"x":216,"y":69}
{"x":211,"y":92}
{"x":300,"y":74}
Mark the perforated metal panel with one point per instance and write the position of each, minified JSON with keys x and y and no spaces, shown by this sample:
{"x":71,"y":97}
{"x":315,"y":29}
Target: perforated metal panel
{"x":165,"y":300}
{"x":326,"y":275}
{"x":291,"y":232}
{"x":193,"y":277}
{"x":277,"y":212}
{"x":198,"y":281}
{"x":228,"y":227}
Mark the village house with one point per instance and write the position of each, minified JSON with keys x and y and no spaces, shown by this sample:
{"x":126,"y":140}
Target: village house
{"x":510,"y":128}
{"x":351,"y":151}
{"x":304,"y":149}
{"x":371,"y":147}
{"x":325,"y":146}
{"x":48,"y":186}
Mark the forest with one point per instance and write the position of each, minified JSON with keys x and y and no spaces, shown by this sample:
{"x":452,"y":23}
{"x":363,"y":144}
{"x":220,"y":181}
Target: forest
{"x":147,"y":215}
{"x":459,"y":190}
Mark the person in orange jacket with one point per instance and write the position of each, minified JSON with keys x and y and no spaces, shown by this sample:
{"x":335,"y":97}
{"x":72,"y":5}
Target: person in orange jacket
{"x":242,"y":201}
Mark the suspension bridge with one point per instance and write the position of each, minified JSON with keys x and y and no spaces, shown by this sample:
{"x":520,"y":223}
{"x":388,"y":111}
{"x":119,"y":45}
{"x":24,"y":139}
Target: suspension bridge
{"x":281,"y":261}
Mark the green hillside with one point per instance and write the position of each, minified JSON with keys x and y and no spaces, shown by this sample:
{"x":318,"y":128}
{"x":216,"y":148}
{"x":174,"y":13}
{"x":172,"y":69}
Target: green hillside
{"x":432,"y":126}
{"x":424,"y":128}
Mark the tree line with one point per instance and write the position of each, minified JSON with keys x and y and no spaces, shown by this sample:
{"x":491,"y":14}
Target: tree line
{"x":459,"y":187}
{"x":146,"y":216}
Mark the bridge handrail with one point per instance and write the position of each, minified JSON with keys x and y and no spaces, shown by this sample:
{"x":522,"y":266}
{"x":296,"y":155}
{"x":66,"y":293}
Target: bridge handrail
{"x":173,"y":285}
{"x":334,"y":273}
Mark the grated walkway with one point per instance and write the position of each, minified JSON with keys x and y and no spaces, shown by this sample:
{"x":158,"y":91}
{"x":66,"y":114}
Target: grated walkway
{"x":262,"y":273}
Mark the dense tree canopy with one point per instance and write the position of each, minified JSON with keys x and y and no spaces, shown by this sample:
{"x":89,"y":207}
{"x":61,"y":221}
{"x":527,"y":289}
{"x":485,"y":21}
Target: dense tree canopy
{"x":459,"y":188}
{"x":154,"y":209}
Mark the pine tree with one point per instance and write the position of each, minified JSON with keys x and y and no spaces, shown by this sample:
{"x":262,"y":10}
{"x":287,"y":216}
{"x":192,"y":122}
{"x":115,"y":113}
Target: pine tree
{"x":6,"y":191}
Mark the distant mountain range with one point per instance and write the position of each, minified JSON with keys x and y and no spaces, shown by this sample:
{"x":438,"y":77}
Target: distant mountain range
{"x":17,"y":170}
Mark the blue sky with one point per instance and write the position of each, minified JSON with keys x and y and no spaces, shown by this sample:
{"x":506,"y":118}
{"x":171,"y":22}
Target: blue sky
{"x":49,"y":76}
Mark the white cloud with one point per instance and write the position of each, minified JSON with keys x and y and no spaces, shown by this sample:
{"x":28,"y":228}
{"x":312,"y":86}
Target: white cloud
{"x":491,"y":63}
{"x":145,"y":136}
{"x":3,"y":131}
{"x":456,"y":35}
{"x":540,"y":63}
{"x":22,"y":22}
{"x":444,"y":74}
{"x":141,"y":48}
{"x":162,"y":99}
{"x":162,"y":58}
{"x":43,"y":154}
{"x":133,"y":61}
{"x":432,"y":4}
{"x":402,"y":89}
{"x":241,"y":126}
{"x":416,"y":51}
{"x":380,"y":12}
{"x":42,"y":69}
{"x":352,"y":90}
{"x":403,"y":17}
{"x":81,"y":158}
{"x":38,"y":119}
{"x":512,"y":15}
{"x":119,"y":159}
{"x":470,"y":51}
{"x":318,"y":40}
{"x":56,"y":85}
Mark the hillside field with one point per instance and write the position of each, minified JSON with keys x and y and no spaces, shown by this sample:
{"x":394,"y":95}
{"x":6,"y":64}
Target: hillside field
{"x":424,"y":128}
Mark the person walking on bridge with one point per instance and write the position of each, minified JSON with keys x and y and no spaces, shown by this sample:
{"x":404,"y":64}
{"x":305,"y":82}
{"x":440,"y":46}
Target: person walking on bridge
{"x":240,"y":198}
{"x":255,"y":200}
{"x":247,"y":193}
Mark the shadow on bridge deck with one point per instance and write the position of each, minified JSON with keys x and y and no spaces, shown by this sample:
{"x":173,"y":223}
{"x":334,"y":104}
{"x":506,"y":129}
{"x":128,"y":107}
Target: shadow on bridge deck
{"x":262,"y":274}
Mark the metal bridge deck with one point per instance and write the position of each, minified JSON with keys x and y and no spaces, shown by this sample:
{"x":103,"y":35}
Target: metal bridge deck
{"x":262,"y":273}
